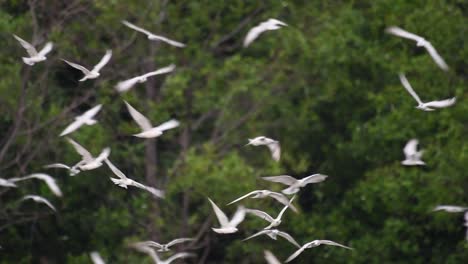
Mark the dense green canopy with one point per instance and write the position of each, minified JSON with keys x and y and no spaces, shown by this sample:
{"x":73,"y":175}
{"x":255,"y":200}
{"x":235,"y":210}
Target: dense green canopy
{"x":326,"y":86}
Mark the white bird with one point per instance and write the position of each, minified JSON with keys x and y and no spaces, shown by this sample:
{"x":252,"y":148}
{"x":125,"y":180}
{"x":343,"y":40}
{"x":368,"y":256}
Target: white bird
{"x":123,"y":181}
{"x":273,"y":145}
{"x":267,"y":193}
{"x":295,"y":184}
{"x":273,"y":234}
{"x":429,"y":106}
{"x":96,"y":258}
{"x":164,"y":247}
{"x":420,"y":42}
{"x":85,"y":119}
{"x":154,"y":256}
{"x":34,"y":55}
{"x":88,"y":162}
{"x":6,"y":183}
{"x":43,"y":177}
{"x":128,"y":84}
{"x":270,"y":258}
{"x":148,"y":130}
{"x":39,"y":199}
{"x":94,"y":73}
{"x":450,"y":208}
{"x":466,"y":224}
{"x":313,"y":244}
{"x":152,"y":36}
{"x":265,"y":216}
{"x":270,"y":24}
{"x":227,"y":227}
{"x":72,"y":170}
{"x":412,"y":155}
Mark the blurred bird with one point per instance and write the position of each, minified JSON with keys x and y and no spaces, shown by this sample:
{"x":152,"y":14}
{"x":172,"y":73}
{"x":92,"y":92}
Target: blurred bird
{"x":94,"y":73}
{"x":88,"y":162}
{"x":313,"y":244}
{"x":164,"y":247}
{"x":270,"y":24}
{"x":85,"y":119}
{"x":450,"y":208}
{"x":273,"y":145}
{"x":128,"y":84}
{"x":270,"y":258}
{"x":39,"y":199}
{"x":429,"y":106}
{"x":72,"y":170}
{"x":154,"y":256}
{"x":35,"y":56}
{"x":227,"y":227}
{"x":266,"y":193}
{"x":412,"y":155}
{"x":148,"y":130}
{"x":6,"y":183}
{"x":265,"y":216}
{"x":273,"y":234}
{"x":420,"y":42}
{"x":295,"y":184}
{"x":123,"y":181}
{"x":152,"y":36}
{"x":43,"y":177}
{"x":96,"y":258}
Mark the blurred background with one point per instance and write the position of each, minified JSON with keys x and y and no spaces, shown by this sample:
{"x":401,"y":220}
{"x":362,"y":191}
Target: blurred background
{"x":326,"y":86}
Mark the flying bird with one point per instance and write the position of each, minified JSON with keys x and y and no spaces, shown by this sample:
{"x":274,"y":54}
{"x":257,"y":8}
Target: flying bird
{"x":313,"y":244}
{"x":88,"y":162}
{"x":270,"y":258}
{"x":295,"y":184}
{"x":429,"y":106}
{"x":270,"y":24}
{"x":85,"y":119}
{"x":123,"y":181}
{"x":148,"y":130}
{"x":266,"y":193}
{"x":39,"y":199}
{"x":227,"y":227}
{"x":265,"y":216}
{"x":6,"y":183}
{"x":96,"y":258}
{"x":273,"y":145}
{"x":128,"y":84}
{"x":34,"y":56}
{"x":43,"y":177}
{"x":412,"y":155}
{"x":273,"y":234}
{"x":420,"y":42}
{"x":154,"y":256}
{"x":165,"y":247}
{"x":450,"y":208}
{"x":94,"y":73}
{"x":152,"y":36}
{"x":72,"y":170}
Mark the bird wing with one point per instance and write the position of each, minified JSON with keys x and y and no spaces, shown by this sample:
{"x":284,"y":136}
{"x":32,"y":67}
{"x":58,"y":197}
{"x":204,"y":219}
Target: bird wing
{"x":253,"y":34}
{"x":408,"y":87}
{"x":124,"y":86}
{"x":177,"y":256}
{"x":71,"y":128}
{"x":92,"y":112}
{"x":314,"y":178}
{"x":261,"y":214}
{"x":156,"y":192}
{"x":410,"y":147}
{"x":168,"y":41}
{"x":57,"y":165}
{"x":403,"y":33}
{"x":168,"y":125}
{"x":114,"y":169}
{"x":222,"y":218}
{"x":295,"y":254}
{"x":77,"y":66}
{"x":166,"y":69}
{"x":275,"y":150}
{"x":284,"y":179}
{"x":96,"y":258}
{"x":103,"y":155}
{"x":270,"y":258}
{"x":179,"y":240}
{"x":244,"y":196}
{"x":286,"y":207}
{"x":436,"y":56}
{"x":85,"y":154}
{"x":238,"y":217}
{"x":26,"y":45}
{"x":132,"y":26}
{"x":257,"y":234}
{"x":289,"y":238}
{"x":39,"y":199}
{"x":7,"y":183}
{"x":450,"y":208}
{"x":140,"y":119}
{"x":282,"y":199}
{"x":49,"y":181}
{"x":332,"y":243}
{"x":105,"y":59}
{"x":441,"y":103}
{"x":46,"y":49}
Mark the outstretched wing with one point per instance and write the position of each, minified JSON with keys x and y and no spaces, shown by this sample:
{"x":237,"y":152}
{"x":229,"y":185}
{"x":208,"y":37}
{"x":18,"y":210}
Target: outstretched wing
{"x":140,"y":119}
{"x":289,"y":238}
{"x":295,"y":254}
{"x":243,"y":197}
{"x":39,"y":199}
{"x":403,"y":33}
{"x":164,"y":70}
{"x":275,"y":150}
{"x":436,"y":57}
{"x":114,"y":169}
{"x":263,"y":232}
{"x":315,"y":178}
{"x":177,"y":256}
{"x":168,"y":125}
{"x":282,"y":199}
{"x":270,"y":258}
{"x":408,"y":87}
{"x":253,"y":34}
{"x":92,"y":112}
{"x":222,"y":218}
{"x":260,"y":214}
{"x":132,"y":26}
{"x":71,"y":128}
{"x":96,"y":258}
{"x":179,"y":240}
{"x":124,"y":86}
{"x":411,"y":147}
{"x":77,"y":66}
{"x":105,"y":59}
{"x":238,"y":216}
{"x":168,"y":41}
{"x":85,"y":154}
{"x":46,"y":49}
{"x":26,"y":45}
{"x":442,"y":103}
{"x":284,"y":179}
{"x":332,"y":243}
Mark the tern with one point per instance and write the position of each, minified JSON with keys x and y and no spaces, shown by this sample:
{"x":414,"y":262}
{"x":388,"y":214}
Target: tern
{"x":96,"y":258}
{"x":124,"y":182}
{"x":272,"y":144}
{"x":265,"y":216}
{"x":270,"y":24}
{"x":126,"y":85}
{"x":154,"y":256}
{"x":88,"y":162}
{"x":152,"y":36}
{"x":87,"y":118}
{"x":72,"y":170}
{"x":267,"y":193}
{"x":148,"y":130}
{"x":270,"y":258}
{"x":295,"y":184}
{"x":35,"y":56}
{"x":7,"y":183}
{"x":412,"y":155}
{"x":273,"y":234}
{"x":420,"y":42}
{"x":39,"y":199}
{"x":164,"y":247}
{"x":450,"y":208}
{"x":43,"y":177}
{"x":94,"y":73}
{"x":313,"y":244}
{"x":429,"y":106}
{"x":227,"y":227}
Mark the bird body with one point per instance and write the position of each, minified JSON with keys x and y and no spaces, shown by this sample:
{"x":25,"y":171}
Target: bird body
{"x":87,"y":118}
{"x":34,"y":55}
{"x":6,"y":183}
{"x":165,"y":247}
{"x":152,"y":36}
{"x":88,"y":162}
{"x":126,"y":85}
{"x":313,"y":244}
{"x":412,"y":155}
{"x":295,"y":184}
{"x":228,"y":227}
{"x":272,"y":144}
{"x":94,"y":73}
{"x":270,"y":24}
